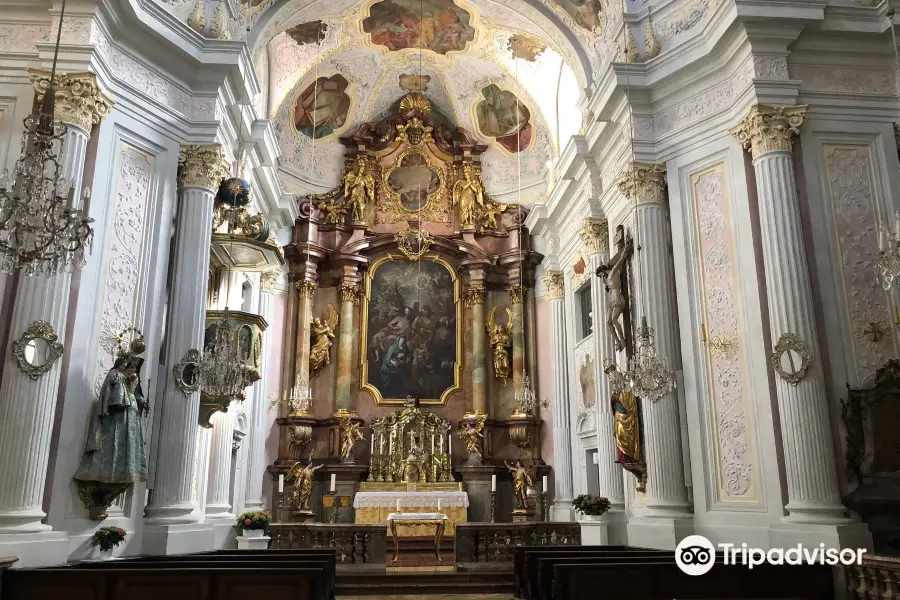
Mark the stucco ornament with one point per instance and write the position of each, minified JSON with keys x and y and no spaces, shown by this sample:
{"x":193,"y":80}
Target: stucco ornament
{"x":201,"y":165}
{"x":769,"y":128}
{"x":643,"y":183}
{"x":595,"y":235}
{"x":79,"y":100}
{"x":555,"y":282}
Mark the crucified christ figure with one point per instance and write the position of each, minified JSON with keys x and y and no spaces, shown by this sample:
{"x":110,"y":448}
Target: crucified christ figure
{"x":612,"y":275}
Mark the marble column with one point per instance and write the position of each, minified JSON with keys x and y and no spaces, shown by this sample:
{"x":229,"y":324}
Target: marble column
{"x":218,"y":508}
{"x":27,"y":405}
{"x":517,"y":295}
{"x":474,"y":302}
{"x":201,"y":168}
{"x":562,"y":431}
{"x":595,"y":237}
{"x":305,"y":290}
{"x":644,"y":185}
{"x":811,"y":476}
{"x":259,"y":410}
{"x":349,"y":293}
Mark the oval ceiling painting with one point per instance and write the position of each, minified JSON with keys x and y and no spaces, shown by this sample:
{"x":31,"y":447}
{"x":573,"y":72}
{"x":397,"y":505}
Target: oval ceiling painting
{"x":502,"y":116}
{"x":585,"y":13}
{"x":437,"y":25}
{"x":322,"y":108}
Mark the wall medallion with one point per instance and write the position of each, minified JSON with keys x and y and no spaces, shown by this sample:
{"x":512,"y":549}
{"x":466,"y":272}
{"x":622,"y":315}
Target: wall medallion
{"x":187,"y":372}
{"x":37,"y":349}
{"x":413,"y":243}
{"x":791,"y":358}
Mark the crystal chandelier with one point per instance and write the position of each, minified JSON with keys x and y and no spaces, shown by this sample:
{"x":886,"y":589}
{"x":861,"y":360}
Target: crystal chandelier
{"x":222,"y":372}
{"x":300,"y":398}
{"x":41,"y":230}
{"x":888,"y":260}
{"x":525,"y":397}
{"x":650,"y":377}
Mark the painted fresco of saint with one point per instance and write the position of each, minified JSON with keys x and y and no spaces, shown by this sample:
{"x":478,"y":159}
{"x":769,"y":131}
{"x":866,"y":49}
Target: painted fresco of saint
{"x":323,"y":107}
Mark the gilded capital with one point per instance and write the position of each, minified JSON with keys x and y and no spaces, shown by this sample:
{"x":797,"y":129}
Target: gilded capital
{"x":201,"y":165}
{"x":517,"y":294}
{"x":267,"y":281}
{"x":769,"y":128}
{"x":595,"y":235}
{"x":349,"y":292}
{"x":79,"y":100}
{"x":643,"y":183}
{"x":556,"y":284}
{"x":474,"y":295}
{"x":306,"y":288}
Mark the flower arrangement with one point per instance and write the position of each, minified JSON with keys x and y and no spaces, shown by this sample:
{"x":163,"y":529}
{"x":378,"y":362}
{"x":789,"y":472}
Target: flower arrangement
{"x":253,"y":520}
{"x":587,"y":504}
{"x":108,"y":537}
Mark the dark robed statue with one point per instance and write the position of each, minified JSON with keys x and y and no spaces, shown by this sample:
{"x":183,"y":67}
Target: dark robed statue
{"x":114,"y":456}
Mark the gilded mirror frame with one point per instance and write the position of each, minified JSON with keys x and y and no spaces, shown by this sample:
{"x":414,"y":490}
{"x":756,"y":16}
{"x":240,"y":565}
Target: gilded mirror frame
{"x":364,"y":333}
{"x":436,"y":203}
{"x":191,"y":357}
{"x":789,"y":342}
{"x":38,"y":330}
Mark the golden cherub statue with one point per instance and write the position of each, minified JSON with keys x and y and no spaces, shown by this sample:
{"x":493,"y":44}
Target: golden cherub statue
{"x":500,"y":339}
{"x":468,"y":195}
{"x":350,"y":433}
{"x":523,"y":479}
{"x":323,"y":333}
{"x":470,"y":433}
{"x":491,"y":211}
{"x":359,"y":189}
{"x":301,"y":476}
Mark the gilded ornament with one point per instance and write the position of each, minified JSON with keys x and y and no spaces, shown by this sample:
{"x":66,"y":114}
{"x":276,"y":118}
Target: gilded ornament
{"x":471,"y":433}
{"x":769,"y":128}
{"x":334,"y":209}
{"x":516,"y":294}
{"x":348,"y":292}
{"x":359,"y":189}
{"x":500,"y":340}
{"x":301,"y":478}
{"x":298,"y":437}
{"x":415,"y":132}
{"x":201,"y":165}
{"x":722,"y":346}
{"x":37,"y":349}
{"x":187,"y":372}
{"x":413,"y":243}
{"x":323,"y":333}
{"x":268,"y":279}
{"x":350,"y":434}
{"x":490,"y":212}
{"x":555,"y":282}
{"x":474,"y":295}
{"x":415,"y":101}
{"x":594,"y":235}
{"x":79,"y":101}
{"x":468,"y":195}
{"x":643,"y":183}
{"x":524,"y":479}
{"x":306,"y":289}
{"x":791,"y":358}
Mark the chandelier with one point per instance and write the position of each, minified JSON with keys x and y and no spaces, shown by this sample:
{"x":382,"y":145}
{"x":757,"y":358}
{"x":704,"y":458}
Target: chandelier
{"x":888,"y":260}
{"x":299,"y":399}
{"x":223,"y":375}
{"x":525,"y":398}
{"x":41,"y":230}
{"x":650,"y":378}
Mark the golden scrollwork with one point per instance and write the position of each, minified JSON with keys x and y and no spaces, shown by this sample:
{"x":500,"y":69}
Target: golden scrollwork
{"x":474,"y":295}
{"x":413,"y":243}
{"x":37,"y":349}
{"x":500,"y":339}
{"x":349,"y":292}
{"x":435,"y":206}
{"x":306,"y":288}
{"x":415,"y":132}
{"x":516,"y":294}
{"x":323,"y":333}
{"x":415,"y":101}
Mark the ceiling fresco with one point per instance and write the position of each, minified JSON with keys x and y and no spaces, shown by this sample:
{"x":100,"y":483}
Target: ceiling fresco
{"x":440,"y":26}
{"x":502,"y":116}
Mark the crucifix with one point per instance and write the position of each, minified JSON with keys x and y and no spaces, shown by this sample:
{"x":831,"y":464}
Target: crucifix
{"x":615,"y":276}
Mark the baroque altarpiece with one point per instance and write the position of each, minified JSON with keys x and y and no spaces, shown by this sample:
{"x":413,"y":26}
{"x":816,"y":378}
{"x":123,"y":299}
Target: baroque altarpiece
{"x":410,"y":333}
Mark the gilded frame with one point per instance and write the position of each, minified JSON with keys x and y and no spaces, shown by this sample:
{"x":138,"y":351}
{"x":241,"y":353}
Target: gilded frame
{"x":364,"y":384}
{"x":433,"y":207}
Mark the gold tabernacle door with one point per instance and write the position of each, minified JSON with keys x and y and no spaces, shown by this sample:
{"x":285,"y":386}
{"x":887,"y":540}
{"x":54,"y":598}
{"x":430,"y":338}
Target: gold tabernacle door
{"x":410,"y":446}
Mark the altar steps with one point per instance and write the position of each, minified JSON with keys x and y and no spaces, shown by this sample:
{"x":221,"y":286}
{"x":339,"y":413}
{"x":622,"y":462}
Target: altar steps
{"x":391,"y":584}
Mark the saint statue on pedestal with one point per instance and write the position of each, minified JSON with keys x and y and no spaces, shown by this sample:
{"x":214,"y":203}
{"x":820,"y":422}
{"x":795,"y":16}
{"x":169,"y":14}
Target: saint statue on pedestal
{"x":523,"y":480}
{"x":359,"y":189}
{"x":302,"y":477}
{"x":468,"y":195}
{"x":627,"y":426}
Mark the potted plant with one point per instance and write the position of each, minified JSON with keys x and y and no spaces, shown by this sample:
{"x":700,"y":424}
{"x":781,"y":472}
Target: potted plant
{"x":592,"y":507}
{"x":253,"y":523}
{"x":107,"y":538}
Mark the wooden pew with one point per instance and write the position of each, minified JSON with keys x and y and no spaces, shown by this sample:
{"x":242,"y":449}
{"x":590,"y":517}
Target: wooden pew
{"x":545,"y":571}
{"x":519,"y":560}
{"x":217,"y":583}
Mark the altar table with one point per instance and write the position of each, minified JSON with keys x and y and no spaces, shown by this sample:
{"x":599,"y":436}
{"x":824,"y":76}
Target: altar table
{"x":375,"y":507}
{"x":437,"y":520}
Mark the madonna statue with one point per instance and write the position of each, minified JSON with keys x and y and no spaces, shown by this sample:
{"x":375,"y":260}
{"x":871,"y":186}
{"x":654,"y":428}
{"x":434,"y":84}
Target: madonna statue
{"x":114,"y":456}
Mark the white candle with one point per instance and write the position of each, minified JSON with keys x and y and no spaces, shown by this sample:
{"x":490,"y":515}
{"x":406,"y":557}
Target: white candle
{"x":398,"y":504}
{"x":897,"y":229}
{"x":391,"y":445}
{"x":281,"y":483}
{"x":546,"y":489}
{"x":432,"y":445}
{"x":449,"y":444}
{"x":373,"y":445}
{"x":880,"y":241}
{"x":333,"y":477}
{"x":493,"y":483}
{"x":439,"y":505}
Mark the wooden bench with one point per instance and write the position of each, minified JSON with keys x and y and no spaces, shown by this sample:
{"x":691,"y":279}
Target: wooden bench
{"x":545,"y":574}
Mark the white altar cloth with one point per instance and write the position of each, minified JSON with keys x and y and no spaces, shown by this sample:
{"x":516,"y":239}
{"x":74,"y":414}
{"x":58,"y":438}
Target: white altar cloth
{"x":411,"y":499}
{"x":417,"y":517}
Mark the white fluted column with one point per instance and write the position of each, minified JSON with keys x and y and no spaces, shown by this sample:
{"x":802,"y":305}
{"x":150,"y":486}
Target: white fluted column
{"x":259,"y":410}
{"x":595,"y":237}
{"x":218,"y":486}
{"x":200,"y":170}
{"x":562,"y":433}
{"x":811,"y":475}
{"x":27,"y":406}
{"x":645,"y":185}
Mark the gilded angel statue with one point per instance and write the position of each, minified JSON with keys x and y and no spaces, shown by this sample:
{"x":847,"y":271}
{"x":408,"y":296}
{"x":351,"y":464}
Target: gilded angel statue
{"x":471,"y":434}
{"x":359,"y":189}
{"x":468,"y":194}
{"x":301,"y":476}
{"x":350,"y":434}
{"x":523,"y":479}
{"x":323,"y":334}
{"x":500,"y":339}
{"x":491,"y":211}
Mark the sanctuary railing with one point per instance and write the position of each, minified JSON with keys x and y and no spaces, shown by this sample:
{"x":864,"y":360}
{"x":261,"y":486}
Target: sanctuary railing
{"x":353,"y":544}
{"x":877,"y":577}
{"x":494,"y":542}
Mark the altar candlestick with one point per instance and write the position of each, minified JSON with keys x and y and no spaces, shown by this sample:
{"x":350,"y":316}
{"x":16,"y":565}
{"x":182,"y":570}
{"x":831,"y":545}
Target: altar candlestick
{"x":439,"y":505}
{"x":333,"y":477}
{"x":493,"y":483}
{"x":373,"y":445}
{"x":281,"y":483}
{"x":398,"y":505}
{"x":545,"y":483}
{"x":895,"y":314}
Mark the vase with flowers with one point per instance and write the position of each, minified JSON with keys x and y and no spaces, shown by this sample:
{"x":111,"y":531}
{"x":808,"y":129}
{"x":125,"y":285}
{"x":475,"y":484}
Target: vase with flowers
{"x":590,"y":506}
{"x":107,"y":538}
{"x":253,"y":523}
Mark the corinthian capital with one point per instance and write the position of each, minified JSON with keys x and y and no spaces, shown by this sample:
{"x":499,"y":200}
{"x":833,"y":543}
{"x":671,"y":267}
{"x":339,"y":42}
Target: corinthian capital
{"x":644,"y":183}
{"x":595,"y":235}
{"x":201,"y":165}
{"x":769,"y":128}
{"x":555,"y":283}
{"x":79,"y":100}
{"x":268,"y":280}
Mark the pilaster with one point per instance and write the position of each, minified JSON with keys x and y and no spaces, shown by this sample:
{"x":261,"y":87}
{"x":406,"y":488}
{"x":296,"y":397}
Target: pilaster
{"x":474,"y":302}
{"x":349,"y":296}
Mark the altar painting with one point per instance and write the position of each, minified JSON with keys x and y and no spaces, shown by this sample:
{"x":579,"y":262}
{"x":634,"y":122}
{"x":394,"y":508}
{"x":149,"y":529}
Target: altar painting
{"x":410,"y":330}
{"x":437,"y":25}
